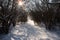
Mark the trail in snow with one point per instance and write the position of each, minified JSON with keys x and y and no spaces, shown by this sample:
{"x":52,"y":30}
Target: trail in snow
{"x":29,"y":31}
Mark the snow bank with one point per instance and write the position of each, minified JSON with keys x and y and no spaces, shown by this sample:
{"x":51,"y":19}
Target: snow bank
{"x":29,"y":31}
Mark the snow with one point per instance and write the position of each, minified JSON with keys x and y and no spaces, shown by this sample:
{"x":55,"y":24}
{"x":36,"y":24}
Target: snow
{"x":29,"y":31}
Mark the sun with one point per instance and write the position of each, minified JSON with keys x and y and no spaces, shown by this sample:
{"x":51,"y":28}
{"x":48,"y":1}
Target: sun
{"x":20,"y":3}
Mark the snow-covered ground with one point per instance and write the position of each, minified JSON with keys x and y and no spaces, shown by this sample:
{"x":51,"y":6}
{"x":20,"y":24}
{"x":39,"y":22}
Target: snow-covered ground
{"x":29,"y":31}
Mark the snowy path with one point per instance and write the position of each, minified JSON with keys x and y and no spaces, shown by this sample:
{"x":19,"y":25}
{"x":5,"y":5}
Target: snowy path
{"x":29,"y":31}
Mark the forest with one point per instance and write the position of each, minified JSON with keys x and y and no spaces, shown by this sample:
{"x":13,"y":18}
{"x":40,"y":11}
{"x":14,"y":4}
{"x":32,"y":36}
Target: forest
{"x":14,"y":11}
